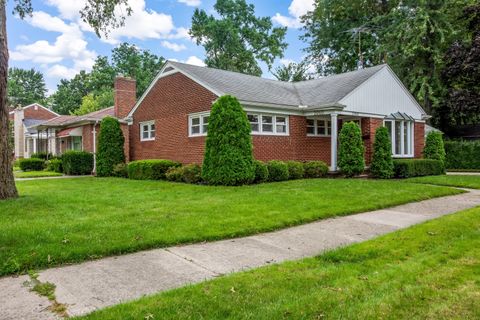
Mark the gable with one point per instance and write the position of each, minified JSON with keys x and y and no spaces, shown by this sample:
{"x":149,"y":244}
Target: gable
{"x":37,"y":111}
{"x":383,"y":94}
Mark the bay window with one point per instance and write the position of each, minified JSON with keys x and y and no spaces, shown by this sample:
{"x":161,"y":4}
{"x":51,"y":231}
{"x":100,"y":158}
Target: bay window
{"x":401,"y":135}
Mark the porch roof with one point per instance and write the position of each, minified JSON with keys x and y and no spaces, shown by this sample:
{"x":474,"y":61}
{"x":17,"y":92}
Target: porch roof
{"x":70,"y":132}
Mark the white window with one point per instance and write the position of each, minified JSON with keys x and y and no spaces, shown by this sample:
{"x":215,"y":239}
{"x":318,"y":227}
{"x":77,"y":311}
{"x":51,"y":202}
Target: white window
{"x":198,"y":124}
{"x":319,"y":127}
{"x":147,"y":131}
{"x":401,"y":135}
{"x":268,"y":124}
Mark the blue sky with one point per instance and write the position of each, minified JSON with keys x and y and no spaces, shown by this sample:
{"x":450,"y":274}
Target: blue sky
{"x":56,"y":42}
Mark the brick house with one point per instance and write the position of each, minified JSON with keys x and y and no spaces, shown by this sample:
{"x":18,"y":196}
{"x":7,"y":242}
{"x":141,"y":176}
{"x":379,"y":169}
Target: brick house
{"x":290,"y":121}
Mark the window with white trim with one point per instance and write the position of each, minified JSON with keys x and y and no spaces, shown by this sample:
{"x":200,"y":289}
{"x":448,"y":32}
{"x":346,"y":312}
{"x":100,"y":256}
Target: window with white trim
{"x":198,"y":124}
{"x":268,"y":124}
{"x":319,"y":127}
{"x":147,"y":131}
{"x":401,"y":135}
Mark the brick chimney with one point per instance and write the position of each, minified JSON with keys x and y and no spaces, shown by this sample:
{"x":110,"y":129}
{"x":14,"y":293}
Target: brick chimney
{"x":125,"y":96}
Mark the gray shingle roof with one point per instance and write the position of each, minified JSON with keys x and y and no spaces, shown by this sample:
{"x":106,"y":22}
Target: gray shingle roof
{"x":311,"y":93}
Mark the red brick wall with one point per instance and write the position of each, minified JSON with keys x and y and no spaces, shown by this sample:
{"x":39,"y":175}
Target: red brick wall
{"x":40,"y":113}
{"x":369,"y":126}
{"x":419,"y":139}
{"x":87,"y":137}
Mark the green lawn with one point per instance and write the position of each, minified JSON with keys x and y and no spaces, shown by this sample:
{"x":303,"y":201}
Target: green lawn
{"x":35,"y":174}
{"x":450,"y":180}
{"x":71,"y":220}
{"x":429,"y":271}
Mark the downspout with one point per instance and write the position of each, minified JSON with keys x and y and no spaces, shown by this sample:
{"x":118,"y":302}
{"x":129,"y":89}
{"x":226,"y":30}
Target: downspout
{"x":94,"y":138}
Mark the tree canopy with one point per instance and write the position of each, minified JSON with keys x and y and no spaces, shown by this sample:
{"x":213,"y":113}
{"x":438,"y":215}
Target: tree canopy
{"x":235,"y":39}
{"x":293,"y":72}
{"x":25,"y":87}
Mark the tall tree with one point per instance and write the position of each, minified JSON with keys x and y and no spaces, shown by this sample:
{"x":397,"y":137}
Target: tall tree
{"x":293,"y":72}
{"x":69,"y":94}
{"x":237,"y":38}
{"x":25,"y":87}
{"x":100,"y":14}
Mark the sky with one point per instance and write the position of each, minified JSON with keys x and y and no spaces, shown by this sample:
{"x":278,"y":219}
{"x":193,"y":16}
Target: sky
{"x":56,"y":42}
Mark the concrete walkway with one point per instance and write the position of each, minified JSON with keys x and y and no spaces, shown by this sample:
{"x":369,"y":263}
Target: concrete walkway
{"x":458,"y":173}
{"x":97,"y":284}
{"x":49,"y":178}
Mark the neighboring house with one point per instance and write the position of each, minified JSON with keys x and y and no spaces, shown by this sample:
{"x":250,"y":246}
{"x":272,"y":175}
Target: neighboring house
{"x":290,"y":121}
{"x":27,"y":139}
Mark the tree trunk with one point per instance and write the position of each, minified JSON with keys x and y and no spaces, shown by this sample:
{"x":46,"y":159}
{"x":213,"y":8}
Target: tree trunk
{"x":7,"y":182}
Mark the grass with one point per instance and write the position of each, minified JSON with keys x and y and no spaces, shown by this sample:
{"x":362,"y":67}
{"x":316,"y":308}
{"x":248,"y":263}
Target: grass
{"x":71,"y":220}
{"x":36,"y":174}
{"x":466,"y":181}
{"x":429,"y":271}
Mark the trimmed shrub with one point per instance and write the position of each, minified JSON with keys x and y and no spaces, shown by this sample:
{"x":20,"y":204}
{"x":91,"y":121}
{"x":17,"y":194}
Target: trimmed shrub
{"x":315,"y":169}
{"x":32,"y":164}
{"x":434,"y":148}
{"x":77,"y":162}
{"x":277,"y":170}
{"x":462,"y":155}
{"x":350,"y":154}
{"x":41,"y":155}
{"x":55,"y":165}
{"x":261,"y":172}
{"x":191,"y":173}
{"x":228,"y":151}
{"x":150,"y":169}
{"x":110,"y":147}
{"x":382,"y":162}
{"x":120,"y":170}
{"x":295,"y":170}
{"x":407,"y":168}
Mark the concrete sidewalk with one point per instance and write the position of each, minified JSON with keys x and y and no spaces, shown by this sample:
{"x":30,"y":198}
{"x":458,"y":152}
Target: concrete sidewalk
{"x":49,"y":178}
{"x":97,"y":284}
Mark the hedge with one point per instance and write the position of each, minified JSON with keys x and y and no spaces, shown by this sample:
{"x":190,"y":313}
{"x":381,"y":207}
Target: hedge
{"x":407,"y":168}
{"x":154,"y":169}
{"x":41,"y":155}
{"x":261,"y":171}
{"x":315,"y":169}
{"x":351,"y":160}
{"x":277,"y":170}
{"x":55,"y":165}
{"x":110,"y":147}
{"x":295,"y":170}
{"x":462,"y":155}
{"x":77,"y":162}
{"x":32,"y":164}
{"x":191,"y":173}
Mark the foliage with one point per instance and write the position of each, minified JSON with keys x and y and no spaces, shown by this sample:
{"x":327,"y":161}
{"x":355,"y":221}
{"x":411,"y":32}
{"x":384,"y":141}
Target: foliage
{"x":110,"y":146}
{"x":25,"y":87}
{"x":295,"y":170}
{"x":55,"y":165}
{"x":407,"y":168}
{"x":462,"y":154}
{"x":261,"y":171}
{"x":174,"y":174}
{"x":234,"y":38}
{"x":315,"y":169}
{"x":191,"y":173}
{"x":77,"y":163}
{"x":277,"y":170}
{"x":351,"y":159}
{"x":150,"y":169}
{"x":460,"y":181}
{"x":41,"y":155}
{"x":434,"y":148}
{"x":91,"y":102}
{"x":32,"y":164}
{"x":293,"y":72}
{"x":382,"y":162}
{"x":69,"y":94}
{"x":120,"y":170}
{"x":228,"y":151}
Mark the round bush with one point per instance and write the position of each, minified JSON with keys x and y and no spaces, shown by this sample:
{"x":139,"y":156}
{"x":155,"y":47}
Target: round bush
{"x":32,"y":164}
{"x":295,"y":170}
{"x":315,"y":169}
{"x":382,"y":162}
{"x":54,"y":165}
{"x":434,"y":147}
{"x":228,"y":151}
{"x":261,"y":172}
{"x":120,"y":170}
{"x":174,"y":174}
{"x":192,"y":173}
{"x":350,"y":154}
{"x":277,"y":170}
{"x":110,"y":147}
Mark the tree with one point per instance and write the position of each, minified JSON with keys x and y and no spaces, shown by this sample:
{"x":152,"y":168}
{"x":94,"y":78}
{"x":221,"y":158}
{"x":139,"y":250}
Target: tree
{"x":69,"y":94}
{"x":293,"y":72}
{"x":382,"y":162}
{"x":92,"y":102}
{"x":350,"y":152}
{"x":237,"y":38}
{"x":110,"y":147}
{"x":228,"y":151}
{"x":25,"y":87}
{"x":100,"y":14}
{"x":434,"y":147}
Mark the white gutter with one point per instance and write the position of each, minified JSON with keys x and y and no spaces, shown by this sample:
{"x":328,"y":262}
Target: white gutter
{"x":94,"y":147}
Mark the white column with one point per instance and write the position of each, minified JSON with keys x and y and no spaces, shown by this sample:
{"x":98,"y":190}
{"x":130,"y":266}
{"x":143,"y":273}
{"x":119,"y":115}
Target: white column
{"x":333,"y":143}
{"x":34,"y":145}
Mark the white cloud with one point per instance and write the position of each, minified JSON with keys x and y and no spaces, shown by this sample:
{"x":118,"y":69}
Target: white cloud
{"x":191,"y":3}
{"x":195,"y":61}
{"x":61,"y":72}
{"x":69,"y":10}
{"x":296,"y":9}
{"x":173,"y":46}
{"x":286,"y":62}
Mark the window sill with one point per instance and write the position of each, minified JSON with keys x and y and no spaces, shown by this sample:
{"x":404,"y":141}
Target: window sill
{"x":197,"y":135}
{"x":142,"y":140}
{"x":270,"y":134}
{"x":318,"y":135}
{"x":395,"y":156}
